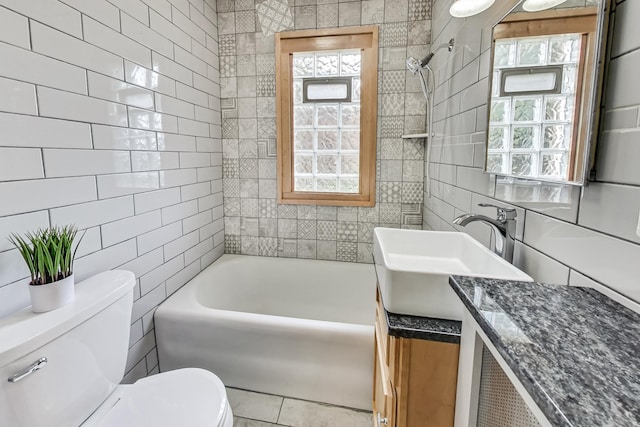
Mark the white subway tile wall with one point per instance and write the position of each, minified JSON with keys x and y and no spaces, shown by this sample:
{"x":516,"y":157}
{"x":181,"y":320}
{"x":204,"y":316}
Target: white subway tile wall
{"x":110,"y":120}
{"x":564,"y":232}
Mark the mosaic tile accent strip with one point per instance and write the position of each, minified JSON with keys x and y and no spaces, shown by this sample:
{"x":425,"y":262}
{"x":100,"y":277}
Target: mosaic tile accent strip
{"x":231,"y":244}
{"x":307,"y":229}
{"x":411,"y":214}
{"x":327,"y":230}
{"x":393,"y":81}
{"x":249,"y":245}
{"x":412,"y":192}
{"x":227,"y":66}
{"x":246,"y":21}
{"x":391,"y":126}
{"x":347,"y":251}
{"x":267,"y":246}
{"x":268,"y":227}
{"x":231,"y":207}
{"x":390,"y":192}
{"x":266,"y":148}
{"x":274,"y":16}
{"x":419,"y":10}
{"x":227,"y":45}
{"x":348,"y":231}
{"x":287,"y":248}
{"x":230,"y":187}
{"x":327,"y":15}
{"x":394,"y":34}
{"x":266,"y":85}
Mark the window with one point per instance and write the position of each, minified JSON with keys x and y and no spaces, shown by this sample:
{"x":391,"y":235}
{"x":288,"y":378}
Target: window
{"x":326,"y":89}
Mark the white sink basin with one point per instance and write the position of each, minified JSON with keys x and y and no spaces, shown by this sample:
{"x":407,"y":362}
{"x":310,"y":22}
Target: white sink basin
{"x":413,"y":268}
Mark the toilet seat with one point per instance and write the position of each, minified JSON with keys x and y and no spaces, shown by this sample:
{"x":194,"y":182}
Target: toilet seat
{"x":185,"y":397}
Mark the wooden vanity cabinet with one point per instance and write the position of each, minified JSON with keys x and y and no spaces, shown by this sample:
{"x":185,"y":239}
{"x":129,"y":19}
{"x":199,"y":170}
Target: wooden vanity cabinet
{"x":414,"y":383}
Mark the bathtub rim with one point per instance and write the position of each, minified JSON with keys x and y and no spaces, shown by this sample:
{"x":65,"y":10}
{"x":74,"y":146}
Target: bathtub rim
{"x":185,"y":303}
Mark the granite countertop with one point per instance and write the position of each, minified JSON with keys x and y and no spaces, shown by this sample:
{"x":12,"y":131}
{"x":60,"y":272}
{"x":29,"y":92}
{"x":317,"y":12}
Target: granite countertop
{"x":575,"y":351}
{"x":424,"y":328}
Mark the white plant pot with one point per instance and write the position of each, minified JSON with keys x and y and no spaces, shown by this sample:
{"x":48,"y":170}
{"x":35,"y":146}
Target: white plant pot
{"x":53,"y":295}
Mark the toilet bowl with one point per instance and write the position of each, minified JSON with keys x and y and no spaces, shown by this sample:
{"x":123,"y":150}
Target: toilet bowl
{"x":64,"y":367}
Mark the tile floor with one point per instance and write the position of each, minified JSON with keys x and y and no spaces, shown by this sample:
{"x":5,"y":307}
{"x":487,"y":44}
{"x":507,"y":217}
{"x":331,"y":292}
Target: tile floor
{"x":251,"y":409}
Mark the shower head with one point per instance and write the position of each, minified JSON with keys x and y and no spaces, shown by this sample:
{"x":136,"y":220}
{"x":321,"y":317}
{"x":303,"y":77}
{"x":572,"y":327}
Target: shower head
{"x":414,"y":65}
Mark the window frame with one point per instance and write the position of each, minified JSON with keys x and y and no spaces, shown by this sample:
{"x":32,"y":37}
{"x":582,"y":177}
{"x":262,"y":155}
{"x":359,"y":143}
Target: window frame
{"x":290,"y":42}
{"x":548,"y":23}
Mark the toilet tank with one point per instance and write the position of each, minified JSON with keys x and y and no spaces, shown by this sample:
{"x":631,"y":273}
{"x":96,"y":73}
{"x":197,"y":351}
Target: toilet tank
{"x":85,"y":345}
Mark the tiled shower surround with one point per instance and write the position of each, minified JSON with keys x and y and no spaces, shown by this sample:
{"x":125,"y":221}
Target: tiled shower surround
{"x":110,"y":120}
{"x":254,"y":223}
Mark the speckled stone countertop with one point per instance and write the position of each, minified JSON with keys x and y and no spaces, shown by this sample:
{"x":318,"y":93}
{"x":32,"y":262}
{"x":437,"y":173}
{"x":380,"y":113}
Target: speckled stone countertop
{"x":575,"y":351}
{"x":424,"y":328}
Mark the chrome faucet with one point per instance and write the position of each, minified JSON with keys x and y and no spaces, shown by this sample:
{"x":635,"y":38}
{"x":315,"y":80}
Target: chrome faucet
{"x":504,"y":228}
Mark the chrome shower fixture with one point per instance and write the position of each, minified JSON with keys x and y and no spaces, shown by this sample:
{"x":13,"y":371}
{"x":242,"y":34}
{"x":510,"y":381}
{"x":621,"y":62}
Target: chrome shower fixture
{"x":414,"y":65}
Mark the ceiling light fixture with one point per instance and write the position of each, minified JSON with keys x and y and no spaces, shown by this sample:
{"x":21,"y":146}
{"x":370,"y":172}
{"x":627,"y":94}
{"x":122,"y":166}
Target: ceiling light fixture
{"x":538,"y":5}
{"x":466,"y":8}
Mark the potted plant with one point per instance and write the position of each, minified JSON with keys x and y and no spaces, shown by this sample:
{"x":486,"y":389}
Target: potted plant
{"x":49,"y":255}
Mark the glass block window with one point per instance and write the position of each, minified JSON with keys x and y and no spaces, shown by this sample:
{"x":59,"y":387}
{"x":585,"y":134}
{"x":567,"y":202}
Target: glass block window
{"x":326,"y":134}
{"x":531,"y":135}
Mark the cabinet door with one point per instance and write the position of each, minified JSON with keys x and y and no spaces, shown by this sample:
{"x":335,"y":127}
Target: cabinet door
{"x":383,"y":396}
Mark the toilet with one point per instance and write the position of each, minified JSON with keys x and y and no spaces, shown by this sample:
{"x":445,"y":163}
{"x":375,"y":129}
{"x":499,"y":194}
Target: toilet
{"x":63,"y":369}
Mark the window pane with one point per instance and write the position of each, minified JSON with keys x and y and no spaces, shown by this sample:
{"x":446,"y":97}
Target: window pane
{"x":349,"y":185}
{"x":303,"y":116}
{"x":304,"y":164}
{"x":333,"y":92}
{"x":304,"y":184}
{"x":303,"y":139}
{"x":327,"y":140}
{"x":526,"y":109}
{"x":524,"y":137}
{"x":302,"y":65}
{"x":327,"y":164}
{"x":532,"y":51}
{"x":556,"y":136}
{"x":327,"y":184}
{"x":497,"y":140}
{"x":522,"y":164}
{"x":500,"y":110}
{"x":297,"y":91}
{"x":497,"y":163}
{"x":326,"y":64}
{"x":558,"y":108}
{"x":569,"y":79}
{"x":350,"y":139}
{"x":554,"y":165}
{"x":564,"y":49}
{"x":350,"y":115}
{"x":327,"y":115}
{"x":350,"y":164}
{"x":350,"y":64}
{"x":355,"y":88}
{"x":505,"y":54}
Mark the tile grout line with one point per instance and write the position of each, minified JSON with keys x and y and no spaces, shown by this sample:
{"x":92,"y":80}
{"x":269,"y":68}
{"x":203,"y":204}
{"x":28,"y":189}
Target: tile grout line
{"x":280,"y":410}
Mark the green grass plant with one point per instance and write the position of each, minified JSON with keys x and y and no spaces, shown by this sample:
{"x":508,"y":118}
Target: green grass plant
{"x":48,"y":253}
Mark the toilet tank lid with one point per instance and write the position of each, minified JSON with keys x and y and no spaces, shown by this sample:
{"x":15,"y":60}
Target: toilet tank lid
{"x":25,"y":331}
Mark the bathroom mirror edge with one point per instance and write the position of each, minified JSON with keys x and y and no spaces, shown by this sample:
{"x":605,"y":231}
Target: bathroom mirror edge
{"x":579,"y":169}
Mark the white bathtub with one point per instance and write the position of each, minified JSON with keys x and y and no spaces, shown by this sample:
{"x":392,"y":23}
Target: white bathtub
{"x":292,"y":327}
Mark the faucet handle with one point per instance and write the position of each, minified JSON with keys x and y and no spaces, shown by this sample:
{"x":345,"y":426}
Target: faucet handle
{"x":504,"y":214}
